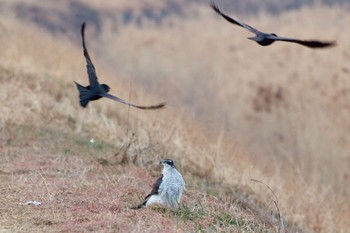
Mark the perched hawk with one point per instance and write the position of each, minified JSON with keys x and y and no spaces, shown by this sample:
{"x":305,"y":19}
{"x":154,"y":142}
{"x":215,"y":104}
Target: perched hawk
{"x":168,"y":188}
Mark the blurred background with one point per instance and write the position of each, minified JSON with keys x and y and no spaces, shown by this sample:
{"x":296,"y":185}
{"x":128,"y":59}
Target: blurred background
{"x":280,"y":112}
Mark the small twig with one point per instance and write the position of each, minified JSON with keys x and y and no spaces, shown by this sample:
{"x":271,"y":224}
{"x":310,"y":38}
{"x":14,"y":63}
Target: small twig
{"x":128,"y":141}
{"x":258,"y":181}
{"x":280,"y":218}
{"x":127,"y":122}
{"x":281,"y":228}
{"x":46,"y":185}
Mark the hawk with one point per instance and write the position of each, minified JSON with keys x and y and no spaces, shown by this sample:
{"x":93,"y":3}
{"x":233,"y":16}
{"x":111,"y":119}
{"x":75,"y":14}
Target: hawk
{"x":168,"y":188}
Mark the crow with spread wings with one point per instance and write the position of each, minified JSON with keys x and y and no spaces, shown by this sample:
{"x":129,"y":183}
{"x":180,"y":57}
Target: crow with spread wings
{"x":95,"y":90}
{"x":265,"y":39}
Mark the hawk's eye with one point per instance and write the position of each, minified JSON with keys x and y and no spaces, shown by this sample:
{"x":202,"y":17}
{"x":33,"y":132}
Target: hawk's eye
{"x":169,"y":162}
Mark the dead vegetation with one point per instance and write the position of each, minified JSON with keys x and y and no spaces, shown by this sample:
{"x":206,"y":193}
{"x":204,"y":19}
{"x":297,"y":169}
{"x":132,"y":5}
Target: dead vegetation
{"x":79,"y":193}
{"x":236,"y":113}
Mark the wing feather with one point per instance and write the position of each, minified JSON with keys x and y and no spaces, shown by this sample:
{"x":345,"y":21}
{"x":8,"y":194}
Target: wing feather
{"x":307,"y":43}
{"x":155,"y":191}
{"x":89,"y":65}
{"x":155,"y":188}
{"x":112,"y":97}
{"x":231,"y":20}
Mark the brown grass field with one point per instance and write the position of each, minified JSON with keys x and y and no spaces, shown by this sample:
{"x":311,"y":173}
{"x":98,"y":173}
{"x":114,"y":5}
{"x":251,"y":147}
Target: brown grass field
{"x":236,"y":111}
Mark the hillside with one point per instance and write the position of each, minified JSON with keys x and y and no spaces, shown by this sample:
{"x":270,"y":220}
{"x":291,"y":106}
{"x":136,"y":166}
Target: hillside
{"x":47,"y":154}
{"x":235,"y":112}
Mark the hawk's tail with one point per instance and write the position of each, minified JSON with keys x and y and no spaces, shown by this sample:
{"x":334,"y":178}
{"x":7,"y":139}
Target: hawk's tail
{"x":143,"y":204}
{"x":84,"y":95}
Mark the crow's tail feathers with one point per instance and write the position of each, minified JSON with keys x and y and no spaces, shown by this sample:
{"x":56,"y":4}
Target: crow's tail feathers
{"x":84,"y":95}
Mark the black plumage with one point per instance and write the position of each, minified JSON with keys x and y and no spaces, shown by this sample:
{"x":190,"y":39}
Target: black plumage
{"x":95,"y":90}
{"x":265,"y":39}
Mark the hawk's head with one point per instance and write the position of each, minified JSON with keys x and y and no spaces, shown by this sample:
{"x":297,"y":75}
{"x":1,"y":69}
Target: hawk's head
{"x":167,"y":163}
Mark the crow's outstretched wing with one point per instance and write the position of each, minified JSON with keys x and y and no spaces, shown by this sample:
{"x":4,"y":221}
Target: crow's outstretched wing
{"x":308,"y":43}
{"x":112,"y":97}
{"x":89,"y":66}
{"x":229,"y":19}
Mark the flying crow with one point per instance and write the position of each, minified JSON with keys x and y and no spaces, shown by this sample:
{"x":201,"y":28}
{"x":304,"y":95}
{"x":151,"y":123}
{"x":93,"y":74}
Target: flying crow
{"x":265,"y":39}
{"x":95,"y":90}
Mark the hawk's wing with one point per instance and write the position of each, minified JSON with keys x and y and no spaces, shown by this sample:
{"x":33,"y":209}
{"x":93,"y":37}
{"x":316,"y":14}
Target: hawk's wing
{"x":89,"y":66}
{"x":155,"y":188}
{"x":155,"y":191}
{"x":161,"y":105}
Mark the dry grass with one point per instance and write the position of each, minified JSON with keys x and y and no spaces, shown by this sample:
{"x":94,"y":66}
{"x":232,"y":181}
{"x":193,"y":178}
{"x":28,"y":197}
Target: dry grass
{"x":285,"y":106}
{"x":236,"y":111}
{"x":82,"y":188}
{"x":46,"y":155}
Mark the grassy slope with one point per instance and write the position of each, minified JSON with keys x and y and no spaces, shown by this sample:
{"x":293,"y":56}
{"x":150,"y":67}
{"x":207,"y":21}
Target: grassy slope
{"x":46,"y":154}
{"x":83,"y":188}
{"x":81,"y":191}
{"x":32,"y":75}
{"x":286,"y":105}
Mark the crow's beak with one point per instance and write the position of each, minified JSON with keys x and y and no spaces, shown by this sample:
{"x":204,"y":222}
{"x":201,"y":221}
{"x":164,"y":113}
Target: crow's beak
{"x":254,"y":38}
